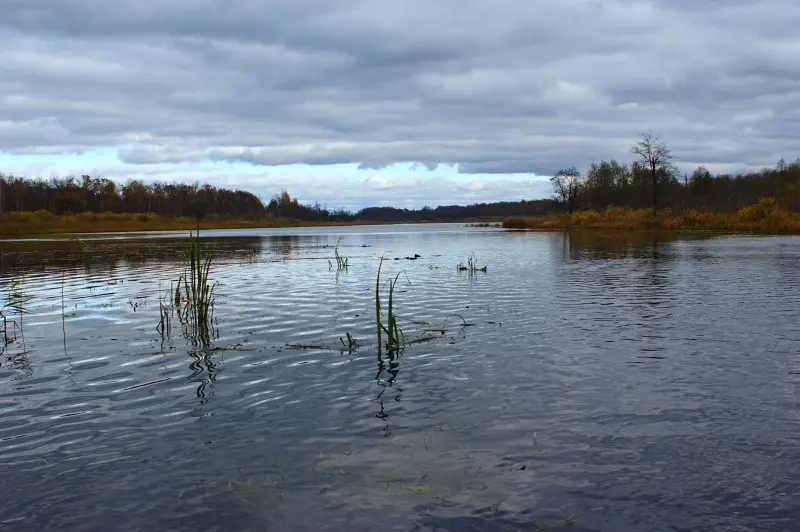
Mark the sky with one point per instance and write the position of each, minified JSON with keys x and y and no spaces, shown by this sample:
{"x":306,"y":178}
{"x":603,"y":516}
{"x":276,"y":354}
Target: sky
{"x":408,"y":103}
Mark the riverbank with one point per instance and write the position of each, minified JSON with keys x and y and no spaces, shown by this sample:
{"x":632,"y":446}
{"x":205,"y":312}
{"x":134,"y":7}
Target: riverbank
{"x":764,"y":217}
{"x":43,"y":222}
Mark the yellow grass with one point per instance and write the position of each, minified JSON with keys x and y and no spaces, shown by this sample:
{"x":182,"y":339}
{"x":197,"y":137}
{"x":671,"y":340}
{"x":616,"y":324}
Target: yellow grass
{"x":43,"y":222}
{"x":764,"y":217}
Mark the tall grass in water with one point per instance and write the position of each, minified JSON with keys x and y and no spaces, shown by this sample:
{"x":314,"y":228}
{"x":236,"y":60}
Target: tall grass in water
{"x":165,"y":311}
{"x":341,"y":261}
{"x":194,"y":294}
{"x":395,"y":338}
{"x":471,"y":266}
{"x":14,"y":306}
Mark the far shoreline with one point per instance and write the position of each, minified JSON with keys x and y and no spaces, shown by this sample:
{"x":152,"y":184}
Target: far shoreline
{"x":764,"y":218}
{"x":72,"y":225}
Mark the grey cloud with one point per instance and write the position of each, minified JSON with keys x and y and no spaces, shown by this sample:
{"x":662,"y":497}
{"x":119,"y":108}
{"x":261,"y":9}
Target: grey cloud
{"x":496,"y":88}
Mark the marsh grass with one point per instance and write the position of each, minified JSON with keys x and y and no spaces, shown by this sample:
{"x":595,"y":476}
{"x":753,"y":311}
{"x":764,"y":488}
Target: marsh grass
{"x":198,"y":291}
{"x":44,"y":222}
{"x":166,"y":312}
{"x":191,"y":298}
{"x":766,"y":216}
{"x":395,"y":337}
{"x":341,"y":261}
{"x":13,"y":309}
{"x":471,"y":266}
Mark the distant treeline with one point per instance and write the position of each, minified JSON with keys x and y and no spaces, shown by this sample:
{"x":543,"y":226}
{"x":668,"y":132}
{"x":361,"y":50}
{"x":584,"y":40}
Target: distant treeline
{"x":88,"y":194}
{"x":284,"y":206}
{"x":605,"y":184}
{"x":71,"y":195}
{"x":610,"y":183}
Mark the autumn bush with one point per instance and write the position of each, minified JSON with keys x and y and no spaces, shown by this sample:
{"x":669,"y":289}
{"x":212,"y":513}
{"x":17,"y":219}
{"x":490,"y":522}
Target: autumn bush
{"x":764,"y":216}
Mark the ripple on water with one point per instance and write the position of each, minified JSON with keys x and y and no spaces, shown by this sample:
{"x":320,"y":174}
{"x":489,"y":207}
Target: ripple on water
{"x":638,"y":385}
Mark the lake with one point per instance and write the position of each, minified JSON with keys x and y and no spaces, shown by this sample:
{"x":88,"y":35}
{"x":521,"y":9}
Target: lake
{"x":628,"y":382}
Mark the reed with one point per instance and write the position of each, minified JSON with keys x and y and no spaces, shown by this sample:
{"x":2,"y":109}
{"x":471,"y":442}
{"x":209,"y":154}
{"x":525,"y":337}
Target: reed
{"x":12,"y":311}
{"x":395,"y":337}
{"x":341,"y":261}
{"x":192,"y":299}
{"x":471,"y":266}
{"x":165,"y":310}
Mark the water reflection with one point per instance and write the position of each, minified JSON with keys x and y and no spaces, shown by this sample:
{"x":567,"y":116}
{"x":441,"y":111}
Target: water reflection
{"x":386,"y":378}
{"x":204,"y":370}
{"x":109,"y":256}
{"x":592,"y":245}
{"x":285,"y":246}
{"x":591,"y":380}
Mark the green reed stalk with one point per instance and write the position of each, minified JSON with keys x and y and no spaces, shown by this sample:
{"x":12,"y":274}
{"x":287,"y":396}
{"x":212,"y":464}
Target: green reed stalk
{"x":341,"y":261}
{"x":165,"y":312}
{"x":194,"y":296}
{"x":15,"y":304}
{"x":472,"y":265}
{"x":395,"y":338}
{"x":378,"y":305}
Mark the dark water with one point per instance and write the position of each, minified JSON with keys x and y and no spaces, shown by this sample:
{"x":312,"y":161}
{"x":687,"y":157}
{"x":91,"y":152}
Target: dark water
{"x":628,"y":383}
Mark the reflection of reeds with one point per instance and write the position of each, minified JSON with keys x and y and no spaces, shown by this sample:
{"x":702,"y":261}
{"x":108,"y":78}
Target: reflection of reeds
{"x":396,"y":339}
{"x":472,"y":265}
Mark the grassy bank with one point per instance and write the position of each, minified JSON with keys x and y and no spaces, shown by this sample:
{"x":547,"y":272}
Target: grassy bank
{"x":43,"y":222}
{"x":763,"y":217}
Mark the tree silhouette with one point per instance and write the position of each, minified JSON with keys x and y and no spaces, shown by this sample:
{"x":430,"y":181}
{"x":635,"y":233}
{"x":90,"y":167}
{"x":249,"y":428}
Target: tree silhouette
{"x":656,"y":156}
{"x":566,"y":186}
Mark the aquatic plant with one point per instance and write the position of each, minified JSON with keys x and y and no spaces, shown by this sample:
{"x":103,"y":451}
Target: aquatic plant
{"x":351,"y":345}
{"x":192,"y":298}
{"x":396,"y":339}
{"x":165,"y":310}
{"x":14,"y":306}
{"x":471,"y":266}
{"x":341,"y":261}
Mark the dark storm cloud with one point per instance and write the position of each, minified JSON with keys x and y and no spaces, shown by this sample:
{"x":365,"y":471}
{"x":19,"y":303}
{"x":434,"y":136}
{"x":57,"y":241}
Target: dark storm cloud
{"x":496,"y":88}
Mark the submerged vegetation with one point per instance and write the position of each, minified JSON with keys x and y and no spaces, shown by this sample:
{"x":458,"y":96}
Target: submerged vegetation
{"x":765,"y":216}
{"x":471,"y":266}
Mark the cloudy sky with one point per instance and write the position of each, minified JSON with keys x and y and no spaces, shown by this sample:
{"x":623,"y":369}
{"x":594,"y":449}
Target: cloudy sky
{"x":404,"y":102}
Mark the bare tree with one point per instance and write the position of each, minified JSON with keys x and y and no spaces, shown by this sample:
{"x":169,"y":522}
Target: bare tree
{"x":566,"y":185}
{"x":656,"y":156}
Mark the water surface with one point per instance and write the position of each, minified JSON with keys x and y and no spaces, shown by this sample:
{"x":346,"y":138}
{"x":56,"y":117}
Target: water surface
{"x":630,"y":383}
